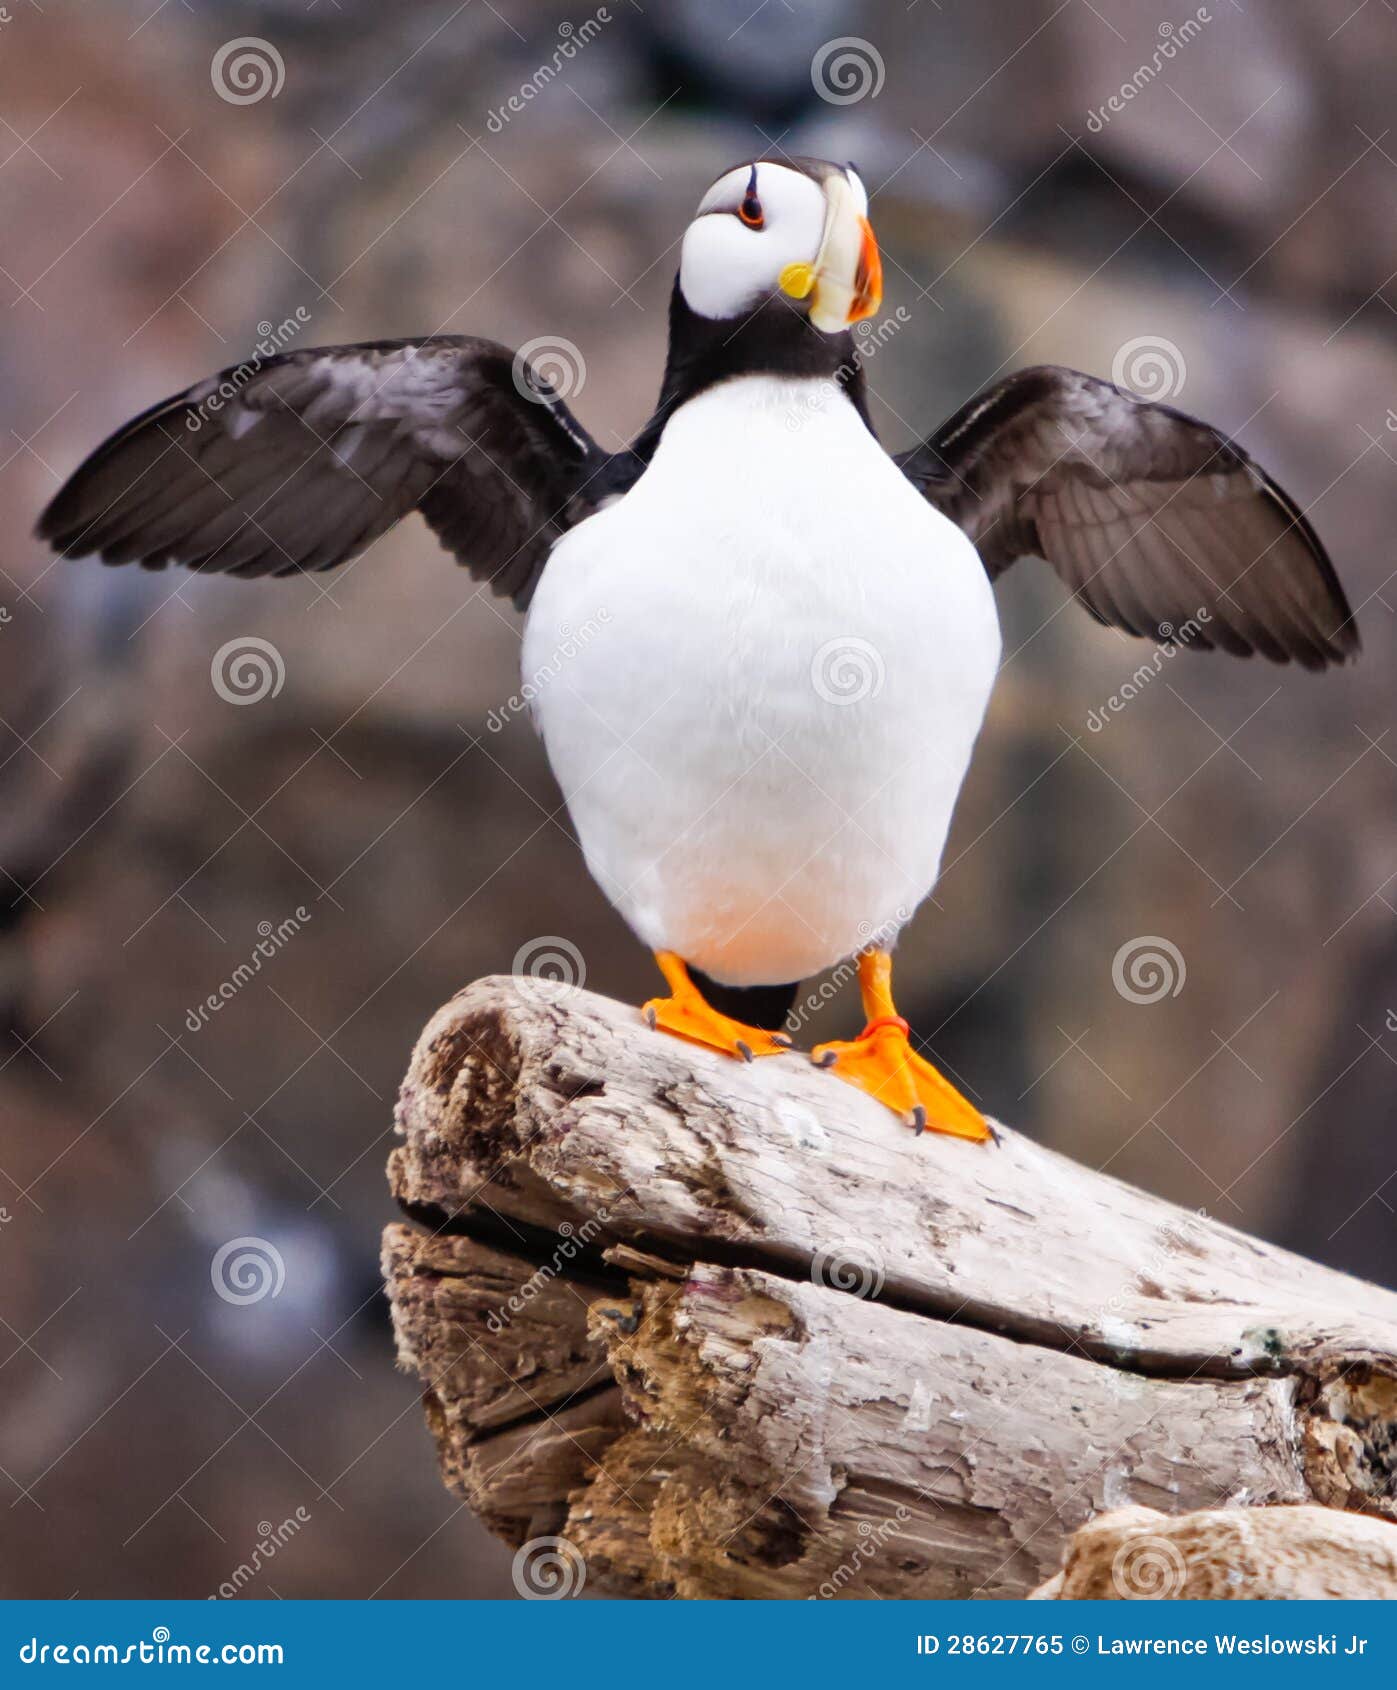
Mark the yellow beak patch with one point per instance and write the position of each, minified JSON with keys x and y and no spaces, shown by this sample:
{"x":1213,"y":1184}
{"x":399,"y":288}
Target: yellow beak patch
{"x":797,"y":280}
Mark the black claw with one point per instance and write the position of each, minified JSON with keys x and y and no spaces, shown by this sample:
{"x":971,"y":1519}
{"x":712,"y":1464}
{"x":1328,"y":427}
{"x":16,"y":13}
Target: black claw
{"x":919,"y":1120}
{"x":650,"y":1016}
{"x":826,"y":1059}
{"x":744,"y":1050}
{"x":782,"y":1039}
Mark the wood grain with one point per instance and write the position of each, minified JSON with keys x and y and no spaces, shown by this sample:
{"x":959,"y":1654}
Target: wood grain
{"x":733,"y":1331}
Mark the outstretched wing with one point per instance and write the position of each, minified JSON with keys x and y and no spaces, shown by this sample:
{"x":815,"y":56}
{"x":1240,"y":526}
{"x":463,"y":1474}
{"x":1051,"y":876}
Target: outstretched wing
{"x":301,"y":461}
{"x":1159,"y":524}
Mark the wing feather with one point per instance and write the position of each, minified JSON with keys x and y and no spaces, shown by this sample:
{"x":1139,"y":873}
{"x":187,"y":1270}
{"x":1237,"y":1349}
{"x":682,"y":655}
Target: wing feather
{"x":1158,"y":524}
{"x":304,"y":460}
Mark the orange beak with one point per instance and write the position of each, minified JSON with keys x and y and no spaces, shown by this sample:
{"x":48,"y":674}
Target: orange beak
{"x":845,"y":282}
{"x":868,"y":277}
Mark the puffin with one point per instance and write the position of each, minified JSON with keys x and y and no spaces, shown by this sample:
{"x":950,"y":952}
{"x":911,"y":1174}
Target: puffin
{"x":795,"y":636}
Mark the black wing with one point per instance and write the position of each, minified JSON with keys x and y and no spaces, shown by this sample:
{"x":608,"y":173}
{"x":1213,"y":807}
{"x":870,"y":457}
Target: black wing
{"x":300,"y":461}
{"x":1159,"y":524}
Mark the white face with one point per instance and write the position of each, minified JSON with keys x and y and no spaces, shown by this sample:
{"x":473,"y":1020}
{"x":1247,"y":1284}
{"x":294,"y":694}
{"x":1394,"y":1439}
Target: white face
{"x":748,"y":231}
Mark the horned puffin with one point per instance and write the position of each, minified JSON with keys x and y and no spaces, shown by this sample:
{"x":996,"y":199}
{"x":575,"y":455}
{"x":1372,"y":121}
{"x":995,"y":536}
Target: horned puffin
{"x":762,"y":751}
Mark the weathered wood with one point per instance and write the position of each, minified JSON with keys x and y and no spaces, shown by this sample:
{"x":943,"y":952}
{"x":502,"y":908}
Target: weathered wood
{"x":1229,"y":1554}
{"x":732,"y":1330}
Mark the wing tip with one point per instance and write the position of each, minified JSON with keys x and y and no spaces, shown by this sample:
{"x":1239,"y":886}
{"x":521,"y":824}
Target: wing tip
{"x":1346,"y":643}
{"x":52,"y":526}
{"x":1316,"y":654}
{"x":65,"y":540}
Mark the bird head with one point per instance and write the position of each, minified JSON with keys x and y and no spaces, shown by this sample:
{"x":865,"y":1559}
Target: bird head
{"x":793,"y":229}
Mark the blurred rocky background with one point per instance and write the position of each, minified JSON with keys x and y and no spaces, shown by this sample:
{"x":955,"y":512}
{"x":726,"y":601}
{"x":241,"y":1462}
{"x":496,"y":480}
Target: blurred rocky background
{"x":1224,"y":235}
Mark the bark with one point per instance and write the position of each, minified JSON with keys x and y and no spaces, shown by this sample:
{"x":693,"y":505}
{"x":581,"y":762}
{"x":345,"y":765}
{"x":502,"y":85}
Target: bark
{"x":732,"y":1330}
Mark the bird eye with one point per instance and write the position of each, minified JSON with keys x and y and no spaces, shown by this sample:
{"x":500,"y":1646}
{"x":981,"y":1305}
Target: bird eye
{"x":750,"y":211}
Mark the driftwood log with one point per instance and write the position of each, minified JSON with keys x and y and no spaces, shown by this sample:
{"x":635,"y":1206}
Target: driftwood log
{"x":732,"y":1330}
{"x":1229,"y":1554}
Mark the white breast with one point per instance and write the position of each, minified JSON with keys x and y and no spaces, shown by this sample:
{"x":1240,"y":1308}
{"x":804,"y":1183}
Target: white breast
{"x":759,"y":677}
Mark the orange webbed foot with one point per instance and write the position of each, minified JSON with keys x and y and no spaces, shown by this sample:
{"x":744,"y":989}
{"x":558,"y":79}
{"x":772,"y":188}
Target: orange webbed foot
{"x":687,"y":1015}
{"x":882,"y":1063}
